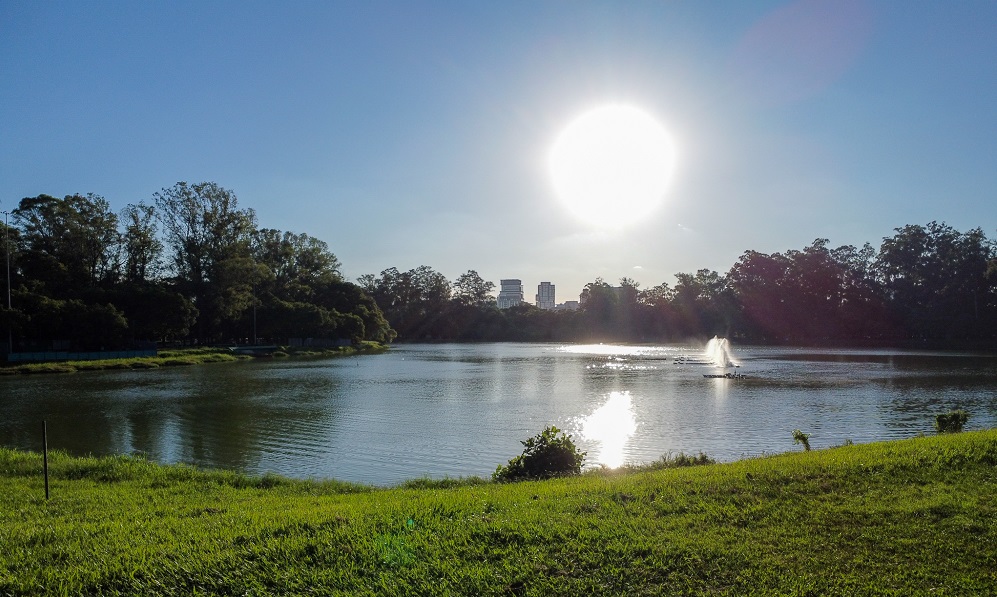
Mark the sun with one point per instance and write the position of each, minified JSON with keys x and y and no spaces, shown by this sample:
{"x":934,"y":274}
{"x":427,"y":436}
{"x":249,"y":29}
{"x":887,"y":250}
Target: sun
{"x":612,"y":165}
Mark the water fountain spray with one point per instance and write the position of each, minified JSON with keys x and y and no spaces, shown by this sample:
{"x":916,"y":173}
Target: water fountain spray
{"x":718,"y":352}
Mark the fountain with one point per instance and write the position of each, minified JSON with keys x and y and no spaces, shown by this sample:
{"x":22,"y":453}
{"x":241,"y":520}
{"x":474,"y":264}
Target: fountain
{"x":718,"y":353}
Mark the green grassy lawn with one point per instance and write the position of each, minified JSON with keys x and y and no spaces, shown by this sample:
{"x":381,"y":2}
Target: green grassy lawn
{"x":183,"y":357}
{"x":913,"y":517}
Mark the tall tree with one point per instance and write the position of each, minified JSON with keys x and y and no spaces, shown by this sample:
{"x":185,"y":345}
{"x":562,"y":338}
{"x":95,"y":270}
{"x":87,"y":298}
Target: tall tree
{"x":140,"y":244}
{"x":936,"y":279}
{"x":471,"y":289}
{"x":296,"y":264}
{"x":209,"y":238}
{"x":70,"y":244}
{"x":758,"y":281}
{"x":415,"y":302}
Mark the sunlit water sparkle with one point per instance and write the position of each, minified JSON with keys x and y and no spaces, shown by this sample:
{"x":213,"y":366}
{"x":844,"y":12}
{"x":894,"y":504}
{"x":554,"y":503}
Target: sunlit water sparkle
{"x":611,"y":426}
{"x":462,"y":409}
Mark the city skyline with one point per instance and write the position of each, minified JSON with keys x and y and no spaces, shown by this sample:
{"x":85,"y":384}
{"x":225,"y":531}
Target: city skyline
{"x":408,"y":134}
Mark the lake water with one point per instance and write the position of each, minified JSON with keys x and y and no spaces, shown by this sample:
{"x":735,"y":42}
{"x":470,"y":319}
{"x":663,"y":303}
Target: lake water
{"x":462,"y":409}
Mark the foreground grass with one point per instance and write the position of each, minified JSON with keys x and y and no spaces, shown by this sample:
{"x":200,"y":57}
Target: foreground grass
{"x":915,"y":517}
{"x":184,"y":357}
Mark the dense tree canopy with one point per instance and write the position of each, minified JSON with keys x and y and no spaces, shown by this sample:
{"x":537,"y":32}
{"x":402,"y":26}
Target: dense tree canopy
{"x":193,"y":267}
{"x":190,"y":267}
{"x":68,"y":245}
{"x":927,"y":285}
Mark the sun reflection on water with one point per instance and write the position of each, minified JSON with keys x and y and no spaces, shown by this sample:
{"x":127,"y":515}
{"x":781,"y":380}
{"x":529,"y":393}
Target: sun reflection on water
{"x":611,"y":425}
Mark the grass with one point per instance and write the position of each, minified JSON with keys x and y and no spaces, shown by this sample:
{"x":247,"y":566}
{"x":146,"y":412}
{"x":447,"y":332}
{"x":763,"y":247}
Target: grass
{"x":183,"y":358}
{"x":913,"y":517}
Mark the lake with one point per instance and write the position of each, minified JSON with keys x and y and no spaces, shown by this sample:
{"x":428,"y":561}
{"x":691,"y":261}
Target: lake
{"x":455,"y":410}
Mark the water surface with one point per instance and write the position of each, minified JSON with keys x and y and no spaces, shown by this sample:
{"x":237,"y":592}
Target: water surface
{"x":462,"y":409}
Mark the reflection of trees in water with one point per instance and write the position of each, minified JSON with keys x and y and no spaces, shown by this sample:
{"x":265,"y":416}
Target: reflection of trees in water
{"x":79,"y":410}
{"x":229,"y":422}
{"x":917,"y":399}
{"x":408,"y":414}
{"x":215,"y":416}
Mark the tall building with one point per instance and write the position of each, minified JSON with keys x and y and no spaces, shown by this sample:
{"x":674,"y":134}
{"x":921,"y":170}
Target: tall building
{"x":511,"y":293}
{"x":545,"y":296}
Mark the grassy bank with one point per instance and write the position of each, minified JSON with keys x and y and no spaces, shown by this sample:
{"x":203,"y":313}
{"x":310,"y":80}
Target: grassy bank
{"x":184,"y":357}
{"x":915,"y":517}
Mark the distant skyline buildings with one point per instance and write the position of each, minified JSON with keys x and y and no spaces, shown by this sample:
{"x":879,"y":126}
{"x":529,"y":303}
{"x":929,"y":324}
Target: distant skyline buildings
{"x":545,"y":296}
{"x":510,"y":293}
{"x":567,"y":306}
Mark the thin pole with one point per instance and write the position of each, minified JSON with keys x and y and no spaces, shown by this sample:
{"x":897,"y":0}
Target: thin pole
{"x":6,"y":229}
{"x":45,"y":454}
{"x":10,"y":329}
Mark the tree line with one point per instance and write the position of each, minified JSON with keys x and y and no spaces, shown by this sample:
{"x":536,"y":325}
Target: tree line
{"x":925,"y":286}
{"x":190,"y":266}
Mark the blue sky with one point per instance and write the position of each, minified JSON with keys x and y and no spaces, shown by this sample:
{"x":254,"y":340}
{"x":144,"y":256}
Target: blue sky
{"x":416,"y":133}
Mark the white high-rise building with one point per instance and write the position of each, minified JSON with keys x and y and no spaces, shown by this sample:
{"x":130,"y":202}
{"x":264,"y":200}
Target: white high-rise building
{"x":545,"y":296}
{"x":511,"y":294}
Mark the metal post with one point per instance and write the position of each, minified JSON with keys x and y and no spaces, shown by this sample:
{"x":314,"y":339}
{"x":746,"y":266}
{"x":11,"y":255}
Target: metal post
{"x":45,"y":454}
{"x":10,"y":330}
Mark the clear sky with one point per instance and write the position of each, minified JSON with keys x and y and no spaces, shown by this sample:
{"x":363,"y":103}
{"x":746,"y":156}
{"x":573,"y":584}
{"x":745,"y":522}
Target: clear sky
{"x":417,"y":133}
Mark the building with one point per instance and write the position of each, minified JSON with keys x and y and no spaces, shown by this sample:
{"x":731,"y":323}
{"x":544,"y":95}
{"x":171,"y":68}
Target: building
{"x":545,"y":296}
{"x":567,"y":306}
{"x":510,"y":294}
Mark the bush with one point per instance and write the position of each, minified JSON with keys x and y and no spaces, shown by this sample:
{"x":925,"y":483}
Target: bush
{"x":549,"y":454}
{"x":802,"y":438}
{"x":951,"y":422}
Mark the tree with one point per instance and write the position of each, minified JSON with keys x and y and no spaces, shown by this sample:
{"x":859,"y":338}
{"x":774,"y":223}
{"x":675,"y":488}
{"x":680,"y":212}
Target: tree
{"x":296,"y":264}
{"x":141,"y":246}
{"x":935,"y":279}
{"x":600,"y":305}
{"x":351,"y":300}
{"x":758,"y":281}
{"x":10,"y":319}
{"x":155,"y":312}
{"x":72,"y":324}
{"x":471,"y":289}
{"x":69,"y":244}
{"x":415,"y":302}
{"x":209,"y":238}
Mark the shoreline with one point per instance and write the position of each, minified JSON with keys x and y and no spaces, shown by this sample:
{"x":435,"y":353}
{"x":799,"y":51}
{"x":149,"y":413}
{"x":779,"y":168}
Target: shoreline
{"x":185,"y":357}
{"x":912,"y":517}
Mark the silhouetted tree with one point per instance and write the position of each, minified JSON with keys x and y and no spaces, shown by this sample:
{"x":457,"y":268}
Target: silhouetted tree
{"x":935,"y":279}
{"x":140,"y":244}
{"x":209,"y":238}
{"x":471,"y":289}
{"x":68,"y":245}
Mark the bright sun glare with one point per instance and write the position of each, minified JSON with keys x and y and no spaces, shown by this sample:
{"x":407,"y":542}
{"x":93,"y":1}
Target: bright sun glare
{"x":612,"y":165}
{"x":611,"y":425}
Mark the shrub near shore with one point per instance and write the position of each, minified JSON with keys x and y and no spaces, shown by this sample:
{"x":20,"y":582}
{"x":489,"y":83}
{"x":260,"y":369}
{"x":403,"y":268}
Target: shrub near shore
{"x":913,"y":517}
